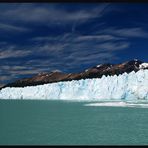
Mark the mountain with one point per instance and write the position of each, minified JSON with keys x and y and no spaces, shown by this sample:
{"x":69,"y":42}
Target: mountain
{"x":98,"y":71}
{"x":126,"y":81}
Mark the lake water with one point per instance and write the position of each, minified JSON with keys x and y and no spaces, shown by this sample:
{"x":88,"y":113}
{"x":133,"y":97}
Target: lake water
{"x":45,"y":122}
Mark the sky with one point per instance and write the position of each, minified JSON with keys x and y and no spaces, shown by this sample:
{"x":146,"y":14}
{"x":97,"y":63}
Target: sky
{"x":69,"y":37}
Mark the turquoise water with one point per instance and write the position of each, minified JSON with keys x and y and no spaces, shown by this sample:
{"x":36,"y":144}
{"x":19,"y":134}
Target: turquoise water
{"x":32,"y":122}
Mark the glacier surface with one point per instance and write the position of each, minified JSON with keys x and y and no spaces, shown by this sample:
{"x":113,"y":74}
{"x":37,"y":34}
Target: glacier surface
{"x":132,"y":86}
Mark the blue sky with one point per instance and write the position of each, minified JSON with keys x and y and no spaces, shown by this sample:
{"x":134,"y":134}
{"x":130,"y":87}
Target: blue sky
{"x":42,"y":37}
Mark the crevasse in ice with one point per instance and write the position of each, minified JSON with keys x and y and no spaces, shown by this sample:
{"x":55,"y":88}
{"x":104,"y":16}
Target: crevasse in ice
{"x":130,"y":86}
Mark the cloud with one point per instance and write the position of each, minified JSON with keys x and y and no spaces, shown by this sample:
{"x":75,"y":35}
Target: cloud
{"x":63,"y":46}
{"x":13,"y":72}
{"x":27,"y":71}
{"x":8,"y":27}
{"x":126,"y":32}
{"x":67,"y":45}
{"x":114,"y":46}
{"x":72,"y":50}
{"x":51,"y":13}
{"x":3,"y":78}
{"x":66,"y":52}
{"x":101,"y":37}
{"x":63,"y":50}
{"x":11,"y":51}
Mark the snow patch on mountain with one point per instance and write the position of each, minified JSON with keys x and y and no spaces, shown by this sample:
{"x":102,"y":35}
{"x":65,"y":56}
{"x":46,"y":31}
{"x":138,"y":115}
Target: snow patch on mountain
{"x":143,"y":65}
{"x":99,"y":65}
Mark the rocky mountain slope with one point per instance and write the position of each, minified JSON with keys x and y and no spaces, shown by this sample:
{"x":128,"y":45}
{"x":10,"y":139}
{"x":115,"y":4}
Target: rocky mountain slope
{"x":93,"y":72}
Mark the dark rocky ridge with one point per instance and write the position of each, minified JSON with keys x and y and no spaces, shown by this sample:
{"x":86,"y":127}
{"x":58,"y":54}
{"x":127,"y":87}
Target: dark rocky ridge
{"x":94,"y":72}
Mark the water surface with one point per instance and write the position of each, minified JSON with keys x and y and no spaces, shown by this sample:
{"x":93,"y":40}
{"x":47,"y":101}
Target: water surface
{"x":45,"y":122}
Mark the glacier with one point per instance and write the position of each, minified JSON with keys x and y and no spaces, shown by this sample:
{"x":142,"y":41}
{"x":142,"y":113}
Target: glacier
{"x":132,"y":86}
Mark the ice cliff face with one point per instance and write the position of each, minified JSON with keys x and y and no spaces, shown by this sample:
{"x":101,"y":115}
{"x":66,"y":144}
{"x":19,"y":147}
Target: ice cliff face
{"x":130,"y":86}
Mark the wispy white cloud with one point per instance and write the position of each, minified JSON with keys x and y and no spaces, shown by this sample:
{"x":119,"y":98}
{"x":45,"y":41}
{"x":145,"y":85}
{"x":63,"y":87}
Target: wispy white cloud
{"x":13,"y":28}
{"x":69,"y":44}
{"x":101,"y":37}
{"x":109,"y":41}
{"x":34,"y":13}
{"x":114,"y":46}
{"x":11,"y":51}
{"x":126,"y":32}
{"x":66,"y":47}
{"x":45,"y":15}
{"x":70,"y":50}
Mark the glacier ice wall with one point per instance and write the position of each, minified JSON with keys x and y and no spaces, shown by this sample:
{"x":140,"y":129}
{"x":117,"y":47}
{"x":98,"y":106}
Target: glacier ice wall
{"x":130,"y":86}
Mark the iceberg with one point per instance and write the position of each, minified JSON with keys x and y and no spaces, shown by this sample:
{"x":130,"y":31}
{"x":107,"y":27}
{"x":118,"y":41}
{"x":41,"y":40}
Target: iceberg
{"x":132,"y":86}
